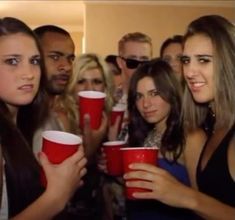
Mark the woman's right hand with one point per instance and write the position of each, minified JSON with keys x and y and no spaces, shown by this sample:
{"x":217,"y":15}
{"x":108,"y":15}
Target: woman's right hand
{"x":63,"y":179}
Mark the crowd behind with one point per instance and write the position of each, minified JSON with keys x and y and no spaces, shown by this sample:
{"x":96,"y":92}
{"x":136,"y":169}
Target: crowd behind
{"x":182,"y":102}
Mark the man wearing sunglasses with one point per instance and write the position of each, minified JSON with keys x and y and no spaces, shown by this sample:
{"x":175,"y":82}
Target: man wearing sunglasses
{"x":133,"y":49}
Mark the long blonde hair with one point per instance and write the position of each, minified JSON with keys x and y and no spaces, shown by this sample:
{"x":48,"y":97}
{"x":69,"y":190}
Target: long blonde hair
{"x":91,"y":61}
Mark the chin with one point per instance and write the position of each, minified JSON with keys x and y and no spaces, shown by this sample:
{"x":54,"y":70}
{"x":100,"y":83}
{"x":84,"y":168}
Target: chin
{"x":202,"y":100}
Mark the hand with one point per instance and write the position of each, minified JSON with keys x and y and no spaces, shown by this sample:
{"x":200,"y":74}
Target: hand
{"x":162,"y":185}
{"x":113,"y":130}
{"x":102,"y":162}
{"x":93,"y":138}
{"x":63,"y":179}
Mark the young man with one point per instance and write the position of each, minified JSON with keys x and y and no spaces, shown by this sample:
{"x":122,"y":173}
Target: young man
{"x":58,"y":50}
{"x":133,"y":49}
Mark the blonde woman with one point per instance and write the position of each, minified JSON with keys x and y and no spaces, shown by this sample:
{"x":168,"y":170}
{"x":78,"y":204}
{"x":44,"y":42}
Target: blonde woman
{"x":90,"y":72}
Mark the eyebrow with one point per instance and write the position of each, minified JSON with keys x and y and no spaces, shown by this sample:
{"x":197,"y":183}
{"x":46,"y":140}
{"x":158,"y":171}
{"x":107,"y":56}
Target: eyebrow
{"x":56,"y":52}
{"x":204,"y":55}
{"x":198,"y":55}
{"x":20,"y":55}
{"x":11,"y":55}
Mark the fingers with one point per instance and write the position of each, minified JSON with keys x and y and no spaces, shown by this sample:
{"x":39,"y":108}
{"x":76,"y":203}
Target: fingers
{"x":147,"y":167}
{"x":147,"y":176}
{"x":140,"y":184}
{"x":86,"y":122}
{"x":43,"y":160}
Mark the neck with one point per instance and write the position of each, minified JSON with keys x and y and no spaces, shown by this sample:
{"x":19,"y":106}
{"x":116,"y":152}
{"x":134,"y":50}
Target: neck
{"x":160,"y":127}
{"x":13,"y":111}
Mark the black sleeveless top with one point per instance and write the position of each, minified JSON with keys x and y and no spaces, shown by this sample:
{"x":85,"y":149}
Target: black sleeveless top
{"x":215,"y":179}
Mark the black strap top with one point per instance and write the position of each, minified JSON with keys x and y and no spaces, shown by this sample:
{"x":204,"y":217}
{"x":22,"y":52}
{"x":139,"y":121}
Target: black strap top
{"x":215,"y":179}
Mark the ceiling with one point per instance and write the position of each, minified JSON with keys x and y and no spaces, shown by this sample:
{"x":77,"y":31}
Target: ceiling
{"x":70,"y":14}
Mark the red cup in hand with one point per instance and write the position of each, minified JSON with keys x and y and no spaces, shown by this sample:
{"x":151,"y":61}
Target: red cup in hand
{"x":58,"y":146}
{"x":114,"y":157}
{"x":137,"y":155}
{"x":92,"y":103}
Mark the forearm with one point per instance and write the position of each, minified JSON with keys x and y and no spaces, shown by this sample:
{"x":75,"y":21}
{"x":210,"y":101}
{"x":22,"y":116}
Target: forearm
{"x":45,"y":207}
{"x":209,"y":208}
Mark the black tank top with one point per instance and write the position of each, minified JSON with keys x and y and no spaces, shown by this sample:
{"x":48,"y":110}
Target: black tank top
{"x":215,"y":179}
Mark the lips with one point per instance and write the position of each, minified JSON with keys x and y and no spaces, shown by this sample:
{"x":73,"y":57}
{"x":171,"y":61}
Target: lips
{"x":149,"y":114}
{"x":26,"y":87}
{"x":196,"y":86}
{"x":62,"y":79}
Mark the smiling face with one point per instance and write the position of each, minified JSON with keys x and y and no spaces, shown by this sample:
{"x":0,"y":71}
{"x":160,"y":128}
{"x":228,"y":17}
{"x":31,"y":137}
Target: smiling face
{"x":198,"y":67}
{"x":152,"y":107}
{"x":19,"y":69}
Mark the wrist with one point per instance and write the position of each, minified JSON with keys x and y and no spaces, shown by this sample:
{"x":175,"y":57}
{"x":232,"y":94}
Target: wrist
{"x":56,"y":199}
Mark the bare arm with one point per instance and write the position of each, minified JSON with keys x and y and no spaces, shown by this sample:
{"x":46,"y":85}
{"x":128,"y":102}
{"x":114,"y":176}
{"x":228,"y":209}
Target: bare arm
{"x":63,"y":180}
{"x":165,"y":188}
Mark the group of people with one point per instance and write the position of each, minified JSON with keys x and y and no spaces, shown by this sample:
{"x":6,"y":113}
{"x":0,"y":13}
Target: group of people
{"x":181,"y":102}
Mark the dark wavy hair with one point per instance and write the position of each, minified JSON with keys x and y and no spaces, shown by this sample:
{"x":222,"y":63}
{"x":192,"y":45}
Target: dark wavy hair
{"x":21,"y":167}
{"x":170,"y":90}
{"x":176,"y":39}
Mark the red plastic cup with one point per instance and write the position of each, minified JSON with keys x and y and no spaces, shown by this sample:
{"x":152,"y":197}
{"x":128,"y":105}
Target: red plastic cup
{"x":117,"y":111}
{"x":114,"y":157}
{"x":92,"y":103}
{"x":137,"y":155}
{"x":58,"y":146}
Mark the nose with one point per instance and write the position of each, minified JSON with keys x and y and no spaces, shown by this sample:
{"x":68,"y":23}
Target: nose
{"x":146,"y":102}
{"x":28,"y":72}
{"x":189,"y":71}
{"x":89,"y":86}
{"x":65,"y":65}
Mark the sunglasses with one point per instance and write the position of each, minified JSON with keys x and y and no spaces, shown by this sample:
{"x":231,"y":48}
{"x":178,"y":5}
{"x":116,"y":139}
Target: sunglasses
{"x":131,"y":63}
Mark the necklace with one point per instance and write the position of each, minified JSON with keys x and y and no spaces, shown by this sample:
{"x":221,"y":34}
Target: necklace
{"x":153,"y":139}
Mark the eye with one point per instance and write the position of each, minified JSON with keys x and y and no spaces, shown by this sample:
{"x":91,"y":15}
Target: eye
{"x":81,"y":81}
{"x":71,"y":58}
{"x":35,"y":61}
{"x":154,"y":93}
{"x":184,"y":60}
{"x":204,"y":60}
{"x":54,"y":57}
{"x":12,"y":61}
{"x":98,"y":81}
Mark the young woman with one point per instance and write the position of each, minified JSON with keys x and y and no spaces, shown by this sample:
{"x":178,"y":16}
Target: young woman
{"x":154,"y":104}
{"x":91,"y":73}
{"x":209,"y":70}
{"x":21,"y":112}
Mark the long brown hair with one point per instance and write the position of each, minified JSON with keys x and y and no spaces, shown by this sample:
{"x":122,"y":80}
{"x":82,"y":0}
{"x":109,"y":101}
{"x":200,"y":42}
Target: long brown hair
{"x":222,"y":34}
{"x":21,"y":167}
